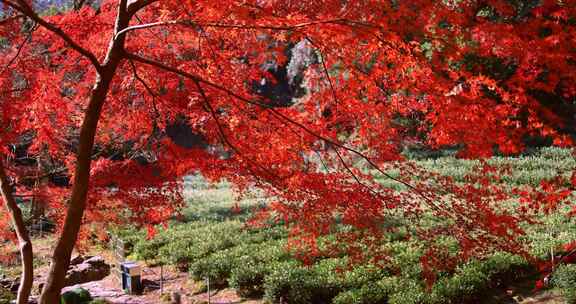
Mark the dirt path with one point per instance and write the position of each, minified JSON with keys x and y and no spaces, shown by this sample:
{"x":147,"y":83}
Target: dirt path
{"x":522,"y":292}
{"x":109,"y":289}
{"x":517,"y":293}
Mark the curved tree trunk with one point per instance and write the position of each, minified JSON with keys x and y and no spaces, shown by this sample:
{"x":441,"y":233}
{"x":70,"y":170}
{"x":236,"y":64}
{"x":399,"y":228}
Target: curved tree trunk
{"x":25,"y":245}
{"x":63,"y":251}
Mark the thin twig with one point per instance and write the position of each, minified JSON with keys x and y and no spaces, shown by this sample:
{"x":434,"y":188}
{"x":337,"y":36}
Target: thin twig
{"x":20,"y":48}
{"x":287,"y":119}
{"x":192,"y":23}
{"x":223,"y":134}
{"x":25,"y":9}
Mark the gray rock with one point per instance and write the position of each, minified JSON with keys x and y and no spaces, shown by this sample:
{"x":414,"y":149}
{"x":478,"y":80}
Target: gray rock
{"x":78,"y":260}
{"x":89,"y":270}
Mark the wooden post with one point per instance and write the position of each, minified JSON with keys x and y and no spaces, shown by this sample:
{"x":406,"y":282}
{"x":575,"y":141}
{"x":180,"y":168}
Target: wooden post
{"x":118,"y":247}
{"x":208,"y":287}
{"x":161,"y":278}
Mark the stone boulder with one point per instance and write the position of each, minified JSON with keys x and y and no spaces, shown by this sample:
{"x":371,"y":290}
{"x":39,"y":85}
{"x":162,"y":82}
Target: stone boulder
{"x":85,"y":270}
{"x":78,"y":259}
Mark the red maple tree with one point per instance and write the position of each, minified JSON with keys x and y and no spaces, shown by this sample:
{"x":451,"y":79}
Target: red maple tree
{"x":100,"y":86}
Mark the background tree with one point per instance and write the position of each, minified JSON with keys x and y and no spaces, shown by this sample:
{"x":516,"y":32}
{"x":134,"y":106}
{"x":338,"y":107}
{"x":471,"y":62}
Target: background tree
{"x":477,"y":74}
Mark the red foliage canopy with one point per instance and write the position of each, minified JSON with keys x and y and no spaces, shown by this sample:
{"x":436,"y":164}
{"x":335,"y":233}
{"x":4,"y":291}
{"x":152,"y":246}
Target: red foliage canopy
{"x":479,"y":75}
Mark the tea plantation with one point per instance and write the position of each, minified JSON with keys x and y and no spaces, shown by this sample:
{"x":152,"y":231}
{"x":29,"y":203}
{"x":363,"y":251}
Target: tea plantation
{"x":212,"y":240}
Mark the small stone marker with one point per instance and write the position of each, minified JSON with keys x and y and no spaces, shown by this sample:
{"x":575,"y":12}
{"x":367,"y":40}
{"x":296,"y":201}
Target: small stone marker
{"x":131,"y":277}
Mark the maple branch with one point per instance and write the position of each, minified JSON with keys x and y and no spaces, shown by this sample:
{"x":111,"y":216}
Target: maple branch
{"x":192,"y":23}
{"x":198,"y":79}
{"x":20,"y":48}
{"x":361,"y":155}
{"x":347,"y":167}
{"x":225,"y":138}
{"x":150,"y":91}
{"x":135,"y":5}
{"x":26,"y":10}
{"x":64,"y":169}
{"x":137,"y":77}
{"x":132,"y":56}
{"x":356,"y":178}
{"x":322,"y":161}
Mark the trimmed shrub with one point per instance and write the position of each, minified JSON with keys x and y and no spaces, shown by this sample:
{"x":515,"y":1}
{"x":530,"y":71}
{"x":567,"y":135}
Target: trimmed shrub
{"x":360,"y":275}
{"x":475,"y":277}
{"x":248,"y":279}
{"x":564,"y":278}
{"x":408,"y":291}
{"x":370,"y":293}
{"x":76,"y":296}
{"x":217,"y":267}
{"x":288,"y":282}
{"x":330,"y":277}
{"x":147,"y":250}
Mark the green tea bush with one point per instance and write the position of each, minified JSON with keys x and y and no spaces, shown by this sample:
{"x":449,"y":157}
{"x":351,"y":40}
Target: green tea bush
{"x":361,"y":275}
{"x":76,"y":296}
{"x":504,"y":266}
{"x":183,"y":245}
{"x":329,"y":274}
{"x":147,"y":250}
{"x":557,"y":229}
{"x":564,"y":278}
{"x":271,"y":251}
{"x":130,"y":236}
{"x":370,"y":293}
{"x":290,"y":283}
{"x":408,"y":291}
{"x":248,"y":278}
{"x":267,"y":234}
{"x":466,"y":282}
{"x":475,"y":277}
{"x":217,"y":267}
{"x":405,"y":257}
